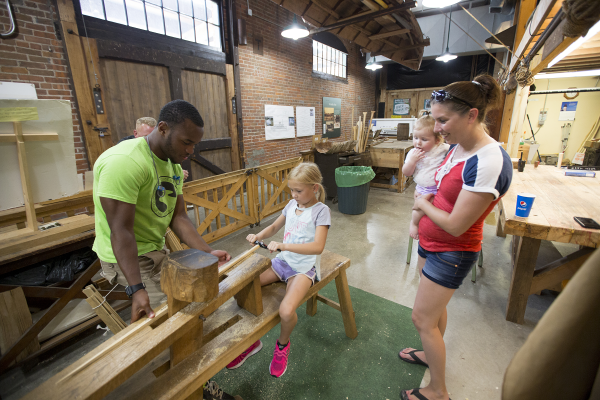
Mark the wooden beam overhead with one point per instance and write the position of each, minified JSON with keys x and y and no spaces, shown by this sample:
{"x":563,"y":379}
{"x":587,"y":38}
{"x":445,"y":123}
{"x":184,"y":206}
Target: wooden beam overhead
{"x":389,"y":53}
{"x":365,"y":17}
{"x":388,"y":34}
{"x":325,"y":8}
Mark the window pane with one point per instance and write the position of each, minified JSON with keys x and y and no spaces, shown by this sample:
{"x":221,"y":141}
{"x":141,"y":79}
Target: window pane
{"x":155,"y":19}
{"x":172,"y":24}
{"x":201,"y":32}
{"x":214,"y":36}
{"x":314,"y":48}
{"x":187,"y":28}
{"x":115,"y":11}
{"x":319,"y":50}
{"x":136,"y":14}
{"x":155,"y":2}
{"x":343,"y":72}
{"x":185,"y":7}
{"x":93,"y":8}
{"x":344,"y":59}
{"x":212,"y":12}
{"x":315,"y":61}
{"x":170,"y":4}
{"x":199,"y":9}
{"x":320,"y":65}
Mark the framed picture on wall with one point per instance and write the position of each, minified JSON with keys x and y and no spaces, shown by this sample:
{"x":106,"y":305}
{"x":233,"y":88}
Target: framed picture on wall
{"x":401,"y":108}
{"x":332,"y":117}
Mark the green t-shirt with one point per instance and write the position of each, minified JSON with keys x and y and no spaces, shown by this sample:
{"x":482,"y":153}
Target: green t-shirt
{"x":125,"y":172}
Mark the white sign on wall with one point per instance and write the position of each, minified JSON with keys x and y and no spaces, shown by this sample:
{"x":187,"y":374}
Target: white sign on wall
{"x":305,"y":118}
{"x":279,"y":122}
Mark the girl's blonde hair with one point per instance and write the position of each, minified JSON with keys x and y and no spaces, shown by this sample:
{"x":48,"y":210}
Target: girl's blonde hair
{"x":309,"y":174}
{"x":426,"y":121}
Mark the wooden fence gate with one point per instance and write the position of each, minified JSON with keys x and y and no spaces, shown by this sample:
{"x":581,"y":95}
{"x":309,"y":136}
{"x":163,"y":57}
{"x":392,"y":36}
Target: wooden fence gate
{"x":226,"y":203}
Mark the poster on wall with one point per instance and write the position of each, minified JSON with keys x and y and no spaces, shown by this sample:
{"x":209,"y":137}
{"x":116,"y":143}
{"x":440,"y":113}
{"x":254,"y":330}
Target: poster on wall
{"x":567,"y":111}
{"x":279,"y":122}
{"x":305,"y":120}
{"x":401,"y":108}
{"x":427,"y":104}
{"x":332,"y":117}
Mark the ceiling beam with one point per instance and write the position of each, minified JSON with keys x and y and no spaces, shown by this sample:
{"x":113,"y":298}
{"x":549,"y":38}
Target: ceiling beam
{"x":389,"y":53}
{"x":388,"y":34}
{"x":365,"y":17}
{"x":325,"y":8}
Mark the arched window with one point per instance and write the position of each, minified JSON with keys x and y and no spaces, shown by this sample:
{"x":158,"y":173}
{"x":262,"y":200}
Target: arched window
{"x":329,"y":55}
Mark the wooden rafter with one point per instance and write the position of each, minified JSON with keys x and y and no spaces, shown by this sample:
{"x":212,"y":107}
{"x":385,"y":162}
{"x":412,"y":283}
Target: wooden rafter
{"x":365,"y":17}
{"x":388,"y":34}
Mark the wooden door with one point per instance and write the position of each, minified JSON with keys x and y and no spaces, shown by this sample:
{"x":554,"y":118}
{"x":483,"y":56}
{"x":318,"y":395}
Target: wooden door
{"x":132,"y":90}
{"x":208,"y":92}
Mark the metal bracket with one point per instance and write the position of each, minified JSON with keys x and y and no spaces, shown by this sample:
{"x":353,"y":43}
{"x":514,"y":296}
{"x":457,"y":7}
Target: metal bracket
{"x":98,"y":100}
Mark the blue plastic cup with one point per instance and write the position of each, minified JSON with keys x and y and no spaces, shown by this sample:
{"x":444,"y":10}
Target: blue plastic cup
{"x":524,"y":204}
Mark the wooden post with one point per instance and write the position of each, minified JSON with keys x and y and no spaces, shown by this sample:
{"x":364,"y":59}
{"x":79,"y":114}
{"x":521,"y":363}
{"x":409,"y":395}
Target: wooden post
{"x":231,"y":118}
{"x":24,"y":171}
{"x":341,"y":283}
{"x":311,"y":305}
{"x":250,"y":297}
{"x":525,"y":253}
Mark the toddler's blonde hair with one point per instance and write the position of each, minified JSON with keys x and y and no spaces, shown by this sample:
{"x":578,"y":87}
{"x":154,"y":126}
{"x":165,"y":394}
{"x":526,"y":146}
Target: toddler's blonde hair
{"x":309,"y":174}
{"x":426,"y":121}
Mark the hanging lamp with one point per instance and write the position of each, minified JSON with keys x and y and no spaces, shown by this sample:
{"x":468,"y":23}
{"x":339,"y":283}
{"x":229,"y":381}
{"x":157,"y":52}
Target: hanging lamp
{"x":295,"y":30}
{"x":447,"y":56}
{"x":373,"y":64}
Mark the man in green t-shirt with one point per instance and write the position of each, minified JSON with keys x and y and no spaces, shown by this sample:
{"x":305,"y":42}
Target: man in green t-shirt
{"x":137,"y":196}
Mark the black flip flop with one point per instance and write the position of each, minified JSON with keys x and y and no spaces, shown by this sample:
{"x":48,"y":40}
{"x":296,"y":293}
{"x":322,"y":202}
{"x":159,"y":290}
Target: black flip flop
{"x":415,"y":392}
{"x":415,"y":359}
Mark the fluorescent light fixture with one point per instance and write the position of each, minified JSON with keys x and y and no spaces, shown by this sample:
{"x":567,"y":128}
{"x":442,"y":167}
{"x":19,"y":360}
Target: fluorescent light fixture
{"x":447,"y":56}
{"x":373,"y":65}
{"x":295,"y":30}
{"x":574,"y":74}
{"x":575,"y":45}
{"x":439,"y":3}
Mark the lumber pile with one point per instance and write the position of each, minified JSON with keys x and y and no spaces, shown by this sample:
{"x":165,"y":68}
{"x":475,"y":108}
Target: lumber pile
{"x":362,"y":132}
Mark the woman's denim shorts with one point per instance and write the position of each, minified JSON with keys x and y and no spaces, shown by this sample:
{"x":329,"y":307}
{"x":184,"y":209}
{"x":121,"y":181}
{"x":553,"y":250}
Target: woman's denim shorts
{"x":448,"y":268}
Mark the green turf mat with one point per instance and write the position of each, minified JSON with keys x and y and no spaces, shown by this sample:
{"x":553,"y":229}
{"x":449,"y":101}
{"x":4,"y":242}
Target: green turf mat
{"x":325,"y":364}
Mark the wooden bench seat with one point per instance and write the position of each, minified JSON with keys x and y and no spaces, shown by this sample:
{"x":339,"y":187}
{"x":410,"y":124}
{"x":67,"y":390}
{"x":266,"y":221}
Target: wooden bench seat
{"x":228,"y":330}
{"x":232,"y":329}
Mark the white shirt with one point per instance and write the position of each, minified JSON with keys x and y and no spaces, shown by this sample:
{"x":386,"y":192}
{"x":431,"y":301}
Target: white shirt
{"x":426,"y":167}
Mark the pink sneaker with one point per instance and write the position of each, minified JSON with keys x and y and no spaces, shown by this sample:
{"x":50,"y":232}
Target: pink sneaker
{"x":280,"y":360}
{"x":250,"y":351}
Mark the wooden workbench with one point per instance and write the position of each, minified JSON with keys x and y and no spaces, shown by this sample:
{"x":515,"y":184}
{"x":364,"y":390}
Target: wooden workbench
{"x":391,"y":154}
{"x":559,"y":198}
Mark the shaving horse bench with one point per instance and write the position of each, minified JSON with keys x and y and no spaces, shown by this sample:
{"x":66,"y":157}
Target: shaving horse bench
{"x":203,"y":330}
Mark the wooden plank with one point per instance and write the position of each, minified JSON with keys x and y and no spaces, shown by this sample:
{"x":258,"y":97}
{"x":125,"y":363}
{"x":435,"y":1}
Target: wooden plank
{"x":25,"y":240}
{"x":99,"y":372}
{"x":15,"y":321}
{"x":29,"y":137}
{"x":16,"y":215}
{"x":388,"y":34}
{"x":32,"y":332}
{"x":232,"y":119}
{"x":25,"y":180}
{"x":559,"y":270}
{"x":115,"y":324}
{"x":81,"y":83}
{"x":329,"y":302}
{"x":250,"y":297}
{"x":53,"y":292}
{"x":520,"y":285}
{"x":341,"y":283}
{"x":223,"y":210}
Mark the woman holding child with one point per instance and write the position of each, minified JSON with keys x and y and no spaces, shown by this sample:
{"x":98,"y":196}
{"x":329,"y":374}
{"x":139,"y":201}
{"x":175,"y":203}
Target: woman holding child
{"x":472,"y":178}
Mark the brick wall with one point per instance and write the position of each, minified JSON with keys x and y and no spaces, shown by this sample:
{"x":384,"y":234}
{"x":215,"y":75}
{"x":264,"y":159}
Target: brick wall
{"x":35,"y":55}
{"x":283,"y":76}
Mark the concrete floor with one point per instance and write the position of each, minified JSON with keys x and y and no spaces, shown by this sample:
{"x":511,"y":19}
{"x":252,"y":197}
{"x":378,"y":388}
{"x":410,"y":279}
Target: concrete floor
{"x":480,"y":342}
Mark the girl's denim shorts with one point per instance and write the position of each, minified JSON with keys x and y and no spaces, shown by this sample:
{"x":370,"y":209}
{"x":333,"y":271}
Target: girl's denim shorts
{"x":448,"y":268}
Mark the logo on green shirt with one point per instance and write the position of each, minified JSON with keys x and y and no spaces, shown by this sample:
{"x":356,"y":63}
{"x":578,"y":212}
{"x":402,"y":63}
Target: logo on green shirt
{"x":160,"y":206}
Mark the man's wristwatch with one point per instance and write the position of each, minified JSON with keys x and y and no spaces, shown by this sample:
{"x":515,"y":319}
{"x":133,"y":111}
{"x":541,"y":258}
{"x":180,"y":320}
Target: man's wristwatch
{"x":130,"y":290}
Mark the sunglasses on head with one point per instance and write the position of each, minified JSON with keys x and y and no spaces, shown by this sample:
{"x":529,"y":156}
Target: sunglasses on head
{"x":442,"y":95}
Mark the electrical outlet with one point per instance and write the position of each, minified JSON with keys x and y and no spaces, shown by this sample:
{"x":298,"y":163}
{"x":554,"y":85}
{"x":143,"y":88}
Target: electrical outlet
{"x":542,"y":117}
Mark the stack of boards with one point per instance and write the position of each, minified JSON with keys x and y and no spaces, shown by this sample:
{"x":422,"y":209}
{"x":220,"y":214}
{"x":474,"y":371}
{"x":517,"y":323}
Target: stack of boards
{"x":361,"y":134}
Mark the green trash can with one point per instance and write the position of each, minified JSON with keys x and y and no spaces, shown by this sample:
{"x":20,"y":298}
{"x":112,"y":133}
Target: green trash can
{"x":353,"y":188}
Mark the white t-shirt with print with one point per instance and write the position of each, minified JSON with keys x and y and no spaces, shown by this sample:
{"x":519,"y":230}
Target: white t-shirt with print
{"x":301,"y":229}
{"x":426,"y":167}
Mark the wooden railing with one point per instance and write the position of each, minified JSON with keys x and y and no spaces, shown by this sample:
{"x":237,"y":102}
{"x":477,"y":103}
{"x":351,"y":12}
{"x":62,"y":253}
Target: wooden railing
{"x":225,"y":203}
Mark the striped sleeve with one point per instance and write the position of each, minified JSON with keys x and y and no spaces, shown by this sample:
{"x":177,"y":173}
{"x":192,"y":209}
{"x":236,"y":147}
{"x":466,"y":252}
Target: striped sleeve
{"x":489,"y":171}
